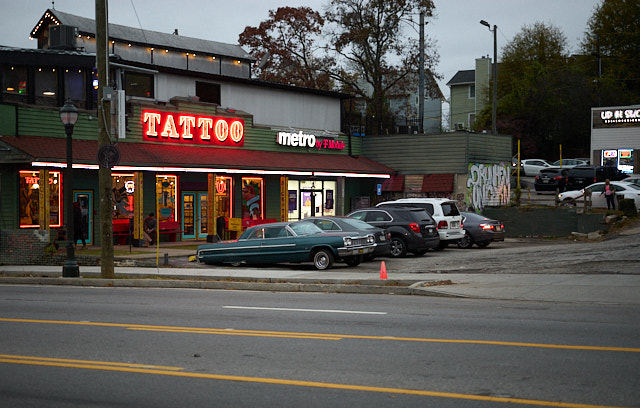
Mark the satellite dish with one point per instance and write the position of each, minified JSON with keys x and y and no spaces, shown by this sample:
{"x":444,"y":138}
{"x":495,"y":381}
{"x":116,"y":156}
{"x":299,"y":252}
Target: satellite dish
{"x":264,"y":60}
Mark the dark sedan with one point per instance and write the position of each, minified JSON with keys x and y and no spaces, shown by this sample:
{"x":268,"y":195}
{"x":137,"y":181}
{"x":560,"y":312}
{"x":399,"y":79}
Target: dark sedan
{"x":296,"y":242}
{"x":480,"y":230}
{"x":551,"y":180}
{"x":348,"y":224}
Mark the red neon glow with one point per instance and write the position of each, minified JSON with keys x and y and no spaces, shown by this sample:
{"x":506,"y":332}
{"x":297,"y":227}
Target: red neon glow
{"x":53,"y":175}
{"x":197,"y":129}
{"x":221,"y":186}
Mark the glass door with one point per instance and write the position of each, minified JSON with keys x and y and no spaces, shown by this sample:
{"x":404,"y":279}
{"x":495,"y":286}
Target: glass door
{"x":85,"y":199}
{"x":311,"y":203}
{"x":188,"y":216}
{"x":201,"y":215}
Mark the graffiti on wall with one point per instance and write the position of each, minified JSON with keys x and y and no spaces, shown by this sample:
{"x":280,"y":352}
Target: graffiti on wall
{"x":488,"y":185}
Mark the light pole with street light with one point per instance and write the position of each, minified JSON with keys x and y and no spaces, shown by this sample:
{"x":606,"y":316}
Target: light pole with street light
{"x":494,"y":105}
{"x":69,"y":116}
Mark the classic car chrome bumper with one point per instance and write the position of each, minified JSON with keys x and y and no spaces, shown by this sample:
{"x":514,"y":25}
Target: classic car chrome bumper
{"x":356,"y":250}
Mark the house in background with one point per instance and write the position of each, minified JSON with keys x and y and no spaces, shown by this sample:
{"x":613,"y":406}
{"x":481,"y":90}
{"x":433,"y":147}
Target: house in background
{"x":404,"y":107}
{"x":470,"y":91}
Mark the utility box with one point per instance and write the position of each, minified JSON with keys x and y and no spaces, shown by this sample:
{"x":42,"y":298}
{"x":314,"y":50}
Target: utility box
{"x":62,"y":37}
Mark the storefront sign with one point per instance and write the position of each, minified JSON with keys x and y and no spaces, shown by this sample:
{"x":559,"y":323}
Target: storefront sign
{"x":621,"y":117}
{"x":307,"y":140}
{"x":196,"y":129}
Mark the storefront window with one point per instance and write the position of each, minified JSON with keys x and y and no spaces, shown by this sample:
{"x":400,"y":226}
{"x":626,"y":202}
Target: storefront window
{"x":137,"y":84}
{"x":308,"y":198}
{"x":224,"y":199}
{"x":166,"y":197}
{"x":30,"y":185}
{"x":294,"y":191}
{"x":74,"y":86}
{"x":46,"y":86}
{"x":14,"y":83}
{"x":123,"y":187}
{"x":252,"y":198}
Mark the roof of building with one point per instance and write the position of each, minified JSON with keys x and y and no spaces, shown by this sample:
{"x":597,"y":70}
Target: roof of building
{"x":48,"y":149}
{"x":463,"y":77}
{"x":87,"y":26}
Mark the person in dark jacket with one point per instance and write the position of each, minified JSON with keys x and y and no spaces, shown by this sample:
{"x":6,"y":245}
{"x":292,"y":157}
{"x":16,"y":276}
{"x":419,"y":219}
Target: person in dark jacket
{"x":78,"y":225}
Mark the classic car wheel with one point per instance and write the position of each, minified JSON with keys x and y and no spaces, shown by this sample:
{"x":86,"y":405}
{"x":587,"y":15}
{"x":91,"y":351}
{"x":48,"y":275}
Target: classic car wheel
{"x":483,"y":244}
{"x":466,"y":242}
{"x":354,"y":260}
{"x":398,"y":247}
{"x":322,"y":259}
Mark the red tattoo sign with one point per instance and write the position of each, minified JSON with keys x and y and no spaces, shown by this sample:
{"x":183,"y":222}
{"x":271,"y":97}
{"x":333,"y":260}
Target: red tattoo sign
{"x":196,"y":129}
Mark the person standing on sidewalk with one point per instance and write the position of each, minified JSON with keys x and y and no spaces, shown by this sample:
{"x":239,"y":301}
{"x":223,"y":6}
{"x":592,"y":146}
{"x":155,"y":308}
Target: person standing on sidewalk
{"x":610,"y":195}
{"x":78,"y":225}
{"x":149,"y":226}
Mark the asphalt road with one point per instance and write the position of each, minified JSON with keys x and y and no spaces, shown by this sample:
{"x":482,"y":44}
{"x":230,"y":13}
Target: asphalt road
{"x":76,"y":346}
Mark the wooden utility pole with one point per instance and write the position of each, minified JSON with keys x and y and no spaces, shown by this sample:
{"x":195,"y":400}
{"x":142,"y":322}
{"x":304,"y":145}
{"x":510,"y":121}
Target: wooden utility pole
{"x":104,"y":121}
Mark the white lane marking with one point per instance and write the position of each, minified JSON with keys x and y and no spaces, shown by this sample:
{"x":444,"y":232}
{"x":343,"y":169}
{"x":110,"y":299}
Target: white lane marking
{"x":303,"y":310}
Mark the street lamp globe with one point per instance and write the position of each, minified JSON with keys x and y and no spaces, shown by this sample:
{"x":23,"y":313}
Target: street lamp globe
{"x":68,"y":114}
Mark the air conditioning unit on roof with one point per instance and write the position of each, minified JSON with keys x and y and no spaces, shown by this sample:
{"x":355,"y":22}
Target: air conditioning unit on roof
{"x":62,"y":37}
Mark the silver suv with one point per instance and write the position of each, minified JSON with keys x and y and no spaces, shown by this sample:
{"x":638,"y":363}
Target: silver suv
{"x":443,"y":211}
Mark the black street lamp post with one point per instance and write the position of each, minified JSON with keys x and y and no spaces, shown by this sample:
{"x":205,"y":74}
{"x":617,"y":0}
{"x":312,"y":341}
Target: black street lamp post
{"x":69,"y":116}
{"x":494,"y":76}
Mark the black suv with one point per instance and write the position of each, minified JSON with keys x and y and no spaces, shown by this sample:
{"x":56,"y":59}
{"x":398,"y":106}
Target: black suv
{"x":552,"y":179}
{"x":412,"y":229}
{"x":580,"y":177}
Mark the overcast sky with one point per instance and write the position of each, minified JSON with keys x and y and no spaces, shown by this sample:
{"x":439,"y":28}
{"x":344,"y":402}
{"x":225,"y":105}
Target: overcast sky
{"x":456,"y":28}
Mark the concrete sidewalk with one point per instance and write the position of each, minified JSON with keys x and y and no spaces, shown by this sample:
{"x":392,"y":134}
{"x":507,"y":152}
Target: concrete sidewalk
{"x":571,"y":288}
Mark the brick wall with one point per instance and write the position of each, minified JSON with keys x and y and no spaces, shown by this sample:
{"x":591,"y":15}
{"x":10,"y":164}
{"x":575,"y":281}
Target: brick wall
{"x":29,"y":247}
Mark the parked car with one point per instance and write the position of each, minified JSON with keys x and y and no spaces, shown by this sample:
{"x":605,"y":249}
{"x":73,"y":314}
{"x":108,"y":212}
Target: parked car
{"x":551,"y":179}
{"x":443,"y":210}
{"x":580,"y":177}
{"x":633,"y":178}
{"x":598,"y":199}
{"x":348,"y":224}
{"x":411,"y":229}
{"x":298,"y":241}
{"x":569,"y":163}
{"x":531,"y":167}
{"x":480,"y":230}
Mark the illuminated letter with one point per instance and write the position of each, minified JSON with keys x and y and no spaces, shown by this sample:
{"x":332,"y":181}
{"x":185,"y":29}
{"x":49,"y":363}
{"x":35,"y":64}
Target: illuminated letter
{"x":236,"y":131}
{"x":221,"y":130}
{"x":151,"y":119}
{"x":169,"y":129}
{"x":205,"y":124}
{"x":187,"y":123}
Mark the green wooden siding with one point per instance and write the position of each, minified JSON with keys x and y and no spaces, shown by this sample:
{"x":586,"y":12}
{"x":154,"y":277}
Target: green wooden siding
{"x":9,"y":183}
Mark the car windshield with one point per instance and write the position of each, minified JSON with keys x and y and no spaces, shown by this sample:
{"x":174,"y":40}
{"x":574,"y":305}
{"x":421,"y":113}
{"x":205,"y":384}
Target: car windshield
{"x":631,"y":186}
{"x":357,"y":223}
{"x":305,"y":228}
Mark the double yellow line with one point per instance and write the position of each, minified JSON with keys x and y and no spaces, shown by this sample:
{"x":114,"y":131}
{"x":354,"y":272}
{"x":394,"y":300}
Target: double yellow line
{"x":320,"y":336}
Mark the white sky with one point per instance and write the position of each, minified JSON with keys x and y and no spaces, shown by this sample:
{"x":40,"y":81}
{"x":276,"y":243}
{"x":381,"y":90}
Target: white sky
{"x":456,"y":28}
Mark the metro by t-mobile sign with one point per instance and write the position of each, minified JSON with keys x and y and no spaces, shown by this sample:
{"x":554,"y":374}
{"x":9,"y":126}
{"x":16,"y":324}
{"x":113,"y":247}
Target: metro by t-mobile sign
{"x":196,"y":129}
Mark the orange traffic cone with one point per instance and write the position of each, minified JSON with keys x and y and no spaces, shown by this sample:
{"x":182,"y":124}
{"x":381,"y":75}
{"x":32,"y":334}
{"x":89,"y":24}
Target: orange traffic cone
{"x":383,"y":271}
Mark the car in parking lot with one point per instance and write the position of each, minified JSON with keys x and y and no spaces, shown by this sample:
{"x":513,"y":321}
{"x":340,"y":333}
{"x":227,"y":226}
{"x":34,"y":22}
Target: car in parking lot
{"x":348,"y":224}
{"x":568,"y":163}
{"x":480,"y":230}
{"x":531,"y":167}
{"x":551,"y":179}
{"x":296,"y":242}
{"x":411,"y":229}
{"x":580,"y":177}
{"x":443,"y":210}
{"x":633,"y":178}
{"x":598,"y":199}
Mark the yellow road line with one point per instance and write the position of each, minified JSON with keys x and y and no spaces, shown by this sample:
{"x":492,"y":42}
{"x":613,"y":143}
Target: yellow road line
{"x":175,"y":371}
{"x":323,"y":336}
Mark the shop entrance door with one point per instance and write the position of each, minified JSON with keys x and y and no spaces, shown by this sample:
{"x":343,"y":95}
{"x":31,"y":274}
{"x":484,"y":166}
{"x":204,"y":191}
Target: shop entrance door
{"x":194,"y":215}
{"x":85,"y":199}
{"x":311,"y":203}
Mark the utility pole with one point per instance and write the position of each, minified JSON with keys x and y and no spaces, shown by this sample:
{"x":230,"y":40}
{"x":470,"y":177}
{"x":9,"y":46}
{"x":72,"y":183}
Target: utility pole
{"x":421,"y":80}
{"x":104,"y":121}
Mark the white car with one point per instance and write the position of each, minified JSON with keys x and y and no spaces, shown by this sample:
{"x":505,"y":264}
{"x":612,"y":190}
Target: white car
{"x":633,"y":178}
{"x":532,"y":167}
{"x":598,"y":199}
{"x":569,"y":163}
{"x":443,"y":210}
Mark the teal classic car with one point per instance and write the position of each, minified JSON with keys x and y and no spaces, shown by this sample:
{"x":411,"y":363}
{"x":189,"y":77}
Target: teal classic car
{"x":298,"y":241}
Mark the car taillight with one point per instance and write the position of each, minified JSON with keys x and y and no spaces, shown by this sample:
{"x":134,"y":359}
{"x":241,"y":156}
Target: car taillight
{"x":443,"y":225}
{"x":414,"y":227}
{"x":595,"y":179}
{"x":558,"y":178}
{"x":487,"y":226}
{"x":537,"y":177}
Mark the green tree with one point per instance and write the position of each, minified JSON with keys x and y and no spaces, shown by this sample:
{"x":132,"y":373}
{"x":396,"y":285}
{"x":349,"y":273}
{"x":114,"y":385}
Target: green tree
{"x":533,"y":89}
{"x":613,"y":34}
{"x":287,"y":46}
{"x":374,"y":54}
